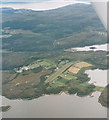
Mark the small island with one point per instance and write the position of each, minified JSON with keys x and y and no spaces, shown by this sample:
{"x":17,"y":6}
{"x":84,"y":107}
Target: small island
{"x":5,"y":108}
{"x":92,"y":48}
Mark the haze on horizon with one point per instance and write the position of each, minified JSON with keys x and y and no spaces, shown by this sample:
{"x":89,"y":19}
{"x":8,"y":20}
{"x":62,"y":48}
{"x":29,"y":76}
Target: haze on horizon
{"x":42,"y":4}
{"x":34,"y":0}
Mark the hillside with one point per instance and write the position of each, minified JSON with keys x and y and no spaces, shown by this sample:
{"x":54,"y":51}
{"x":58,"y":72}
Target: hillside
{"x":104,"y":97}
{"x":40,"y":31}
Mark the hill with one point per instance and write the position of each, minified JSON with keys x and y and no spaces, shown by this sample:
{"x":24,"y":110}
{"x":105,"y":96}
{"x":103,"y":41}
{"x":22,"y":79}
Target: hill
{"x":41,"y":31}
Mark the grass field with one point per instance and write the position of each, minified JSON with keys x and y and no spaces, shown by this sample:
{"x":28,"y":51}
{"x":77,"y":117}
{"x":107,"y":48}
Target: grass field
{"x":59,"y":72}
{"x":33,"y":66}
{"x":45,"y":63}
{"x":62,"y":80}
{"x":68,"y":76}
{"x":62,"y":63}
{"x":57,"y":84}
{"x":100,"y":89}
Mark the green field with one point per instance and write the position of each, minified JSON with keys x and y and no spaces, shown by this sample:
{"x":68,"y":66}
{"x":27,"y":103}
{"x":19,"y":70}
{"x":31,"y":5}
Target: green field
{"x":68,"y":76}
{"x":84,"y":84}
{"x":59,"y":72}
{"x":46,"y":63}
{"x":100,"y":89}
{"x":62,"y":80}
{"x":57,"y":84}
{"x":33,"y":66}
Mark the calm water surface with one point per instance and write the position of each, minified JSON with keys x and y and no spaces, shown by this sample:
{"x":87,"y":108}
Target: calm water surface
{"x":103,"y":47}
{"x":56,"y":106}
{"x":98,"y":77}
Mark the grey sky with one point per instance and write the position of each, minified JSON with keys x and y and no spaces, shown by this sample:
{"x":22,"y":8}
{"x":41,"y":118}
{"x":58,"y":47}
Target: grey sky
{"x":22,"y":0}
{"x":31,"y":0}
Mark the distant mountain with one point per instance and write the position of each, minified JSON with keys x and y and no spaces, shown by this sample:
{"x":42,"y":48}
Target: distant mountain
{"x":58,"y":29}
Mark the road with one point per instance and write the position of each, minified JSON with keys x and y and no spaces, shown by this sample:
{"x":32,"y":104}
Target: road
{"x":59,"y":72}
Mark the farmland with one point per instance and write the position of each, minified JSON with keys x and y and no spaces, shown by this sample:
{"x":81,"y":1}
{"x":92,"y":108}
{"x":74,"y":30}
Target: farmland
{"x":78,"y":66}
{"x":51,"y":75}
{"x":72,"y":69}
{"x":68,"y":76}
